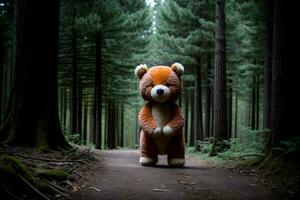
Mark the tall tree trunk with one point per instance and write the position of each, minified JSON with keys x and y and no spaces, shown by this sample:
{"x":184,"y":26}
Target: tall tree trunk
{"x":280,"y":129}
{"x":257,"y":102}
{"x":198,"y":131}
{"x":212,"y":130}
{"x":74,"y":111}
{"x":65,"y":99}
{"x":79,"y":109}
{"x":208,"y":99}
{"x":33,"y":117}
{"x":186,"y":115}
{"x":268,"y":65}
{"x":122,"y":125}
{"x":220,"y":110}
{"x":85,"y":123}
{"x":236,"y":115}
{"x":105,"y":140}
{"x":2,"y":51}
{"x":97,"y":92}
{"x":192,"y":138}
{"x":253,"y":109}
{"x":229,"y":108}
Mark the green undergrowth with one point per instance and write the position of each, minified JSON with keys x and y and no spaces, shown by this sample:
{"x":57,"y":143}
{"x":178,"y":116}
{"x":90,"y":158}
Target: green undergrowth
{"x":245,"y":150}
{"x":16,"y":180}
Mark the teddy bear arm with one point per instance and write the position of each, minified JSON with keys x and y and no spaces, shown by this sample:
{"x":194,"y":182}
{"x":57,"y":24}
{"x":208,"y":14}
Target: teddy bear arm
{"x":146,"y":120}
{"x":177,"y":121}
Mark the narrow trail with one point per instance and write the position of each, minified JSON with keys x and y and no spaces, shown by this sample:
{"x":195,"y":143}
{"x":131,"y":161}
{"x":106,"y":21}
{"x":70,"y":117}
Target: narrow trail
{"x":123,"y":178}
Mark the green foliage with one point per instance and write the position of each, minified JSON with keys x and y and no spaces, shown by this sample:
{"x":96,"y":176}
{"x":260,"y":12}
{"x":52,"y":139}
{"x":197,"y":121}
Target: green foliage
{"x":251,"y":142}
{"x":73,"y":138}
{"x":289,"y":147}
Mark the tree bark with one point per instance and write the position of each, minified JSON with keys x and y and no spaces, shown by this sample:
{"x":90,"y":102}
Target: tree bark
{"x":280,"y":129}
{"x":229,"y":108}
{"x":192,"y":138}
{"x":257,"y":102}
{"x":97,"y":92}
{"x":74,"y":111}
{"x":186,"y":116}
{"x":220,"y":103}
{"x":268,"y":65}
{"x":122,"y":125}
{"x":2,"y":52}
{"x":208,"y":100}
{"x":253,"y":109}
{"x":33,"y":117}
{"x":198,"y":131}
{"x":236,"y":115}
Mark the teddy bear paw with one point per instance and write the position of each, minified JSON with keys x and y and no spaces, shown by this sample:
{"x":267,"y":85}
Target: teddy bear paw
{"x":157,"y":131}
{"x":176,"y":162}
{"x":144,"y":161}
{"x":167,"y":130}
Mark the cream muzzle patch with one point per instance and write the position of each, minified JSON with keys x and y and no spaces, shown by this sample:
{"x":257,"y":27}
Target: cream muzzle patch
{"x":160,"y":93}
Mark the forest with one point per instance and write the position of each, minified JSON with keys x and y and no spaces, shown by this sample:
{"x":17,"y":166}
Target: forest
{"x":67,"y":82}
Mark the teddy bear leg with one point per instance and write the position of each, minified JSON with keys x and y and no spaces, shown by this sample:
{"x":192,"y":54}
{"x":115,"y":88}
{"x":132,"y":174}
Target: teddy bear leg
{"x":176,"y":152}
{"x":148,"y":150}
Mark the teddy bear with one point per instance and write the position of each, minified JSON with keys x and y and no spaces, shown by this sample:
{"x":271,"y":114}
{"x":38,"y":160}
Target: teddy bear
{"x":161,"y":119}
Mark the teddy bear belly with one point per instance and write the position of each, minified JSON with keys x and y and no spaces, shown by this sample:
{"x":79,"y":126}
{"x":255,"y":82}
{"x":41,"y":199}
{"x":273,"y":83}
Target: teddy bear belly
{"x":162,"y":144}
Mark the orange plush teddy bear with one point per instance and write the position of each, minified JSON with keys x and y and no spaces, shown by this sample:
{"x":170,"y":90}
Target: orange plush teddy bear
{"x":161,"y":119}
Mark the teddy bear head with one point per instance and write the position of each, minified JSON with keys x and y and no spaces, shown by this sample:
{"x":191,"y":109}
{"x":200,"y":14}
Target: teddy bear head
{"x":160,"y":83}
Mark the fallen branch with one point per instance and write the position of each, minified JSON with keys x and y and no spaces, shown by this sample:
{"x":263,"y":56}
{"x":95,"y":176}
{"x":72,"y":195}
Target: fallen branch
{"x":57,"y":189}
{"x":160,"y":190}
{"x":73,"y":168}
{"x":50,"y":160}
{"x":79,"y":175}
{"x":33,"y":187}
{"x":81,"y":154}
{"x":250,"y":155}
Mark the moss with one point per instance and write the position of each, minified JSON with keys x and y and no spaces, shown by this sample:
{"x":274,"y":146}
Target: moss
{"x":50,"y":174}
{"x":11,"y":167}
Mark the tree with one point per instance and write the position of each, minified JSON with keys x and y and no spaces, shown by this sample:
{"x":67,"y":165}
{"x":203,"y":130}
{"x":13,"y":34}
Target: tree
{"x":279,"y":116}
{"x":33,"y":109}
{"x":268,"y":65}
{"x":220,"y":113}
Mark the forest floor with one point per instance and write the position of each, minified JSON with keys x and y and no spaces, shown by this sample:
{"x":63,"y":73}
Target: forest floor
{"x":118,"y":175}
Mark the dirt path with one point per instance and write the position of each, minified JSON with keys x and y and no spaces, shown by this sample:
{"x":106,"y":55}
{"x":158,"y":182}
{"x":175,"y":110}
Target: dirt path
{"x":123,"y":178}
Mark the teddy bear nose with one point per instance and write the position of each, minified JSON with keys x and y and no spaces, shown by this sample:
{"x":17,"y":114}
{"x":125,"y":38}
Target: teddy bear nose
{"x":160,"y":92}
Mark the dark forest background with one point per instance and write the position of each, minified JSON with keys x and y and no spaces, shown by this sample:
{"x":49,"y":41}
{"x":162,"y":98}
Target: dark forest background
{"x":67,"y":71}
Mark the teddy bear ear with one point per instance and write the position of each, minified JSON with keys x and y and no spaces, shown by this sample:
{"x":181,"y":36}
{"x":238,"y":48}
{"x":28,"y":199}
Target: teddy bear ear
{"x":178,"y":68}
{"x":140,"y":70}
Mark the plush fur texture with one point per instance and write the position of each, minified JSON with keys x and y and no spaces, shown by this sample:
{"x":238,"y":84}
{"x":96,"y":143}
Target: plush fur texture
{"x":161,"y":119}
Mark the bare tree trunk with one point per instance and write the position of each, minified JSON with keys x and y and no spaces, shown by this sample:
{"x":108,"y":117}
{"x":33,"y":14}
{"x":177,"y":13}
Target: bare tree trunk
{"x":122,"y":125}
{"x":229,"y":108}
{"x":192,"y":138}
{"x":97,"y":92}
{"x":2,"y":52}
{"x":253,"y":102}
{"x":74,"y":111}
{"x":198,"y":131}
{"x":33,"y":117}
{"x":85,"y":123}
{"x":208,"y":100}
{"x":268,"y":65}
{"x":220,"y":103}
{"x":257,"y":102}
{"x":186,"y":116}
{"x":236,"y":115}
{"x":279,"y":115}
